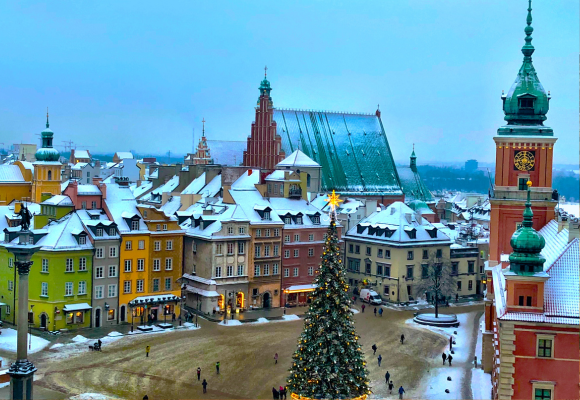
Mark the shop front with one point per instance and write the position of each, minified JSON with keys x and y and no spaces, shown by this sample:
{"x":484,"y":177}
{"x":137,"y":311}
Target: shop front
{"x":77,"y":315}
{"x":298,"y":295}
{"x":154,"y":309}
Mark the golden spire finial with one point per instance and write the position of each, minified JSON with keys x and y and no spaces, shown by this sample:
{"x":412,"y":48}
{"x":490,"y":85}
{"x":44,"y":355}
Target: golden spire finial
{"x":333,"y":200}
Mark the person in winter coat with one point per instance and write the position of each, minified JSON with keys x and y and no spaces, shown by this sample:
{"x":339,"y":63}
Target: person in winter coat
{"x":380,"y":359}
{"x":456,"y":297}
{"x":285,"y":392}
{"x":145,"y":397}
{"x":198,"y":373}
{"x":375,"y":311}
{"x":147,"y":350}
{"x":217,"y":367}
{"x":402,"y":339}
{"x":380,"y":312}
{"x":204,"y":384}
{"x":450,"y":342}
{"x":391,"y":386}
{"x":275,"y":394}
{"x":449,"y":358}
{"x":387,"y":377}
{"x":374,"y":347}
{"x":276,"y":358}
{"x":281,"y":391}
{"x":444,"y":357}
{"x":363,"y":308}
{"x":401,"y":391}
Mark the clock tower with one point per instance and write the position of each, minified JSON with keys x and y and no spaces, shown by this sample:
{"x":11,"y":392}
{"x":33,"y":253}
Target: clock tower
{"x":524,"y":152}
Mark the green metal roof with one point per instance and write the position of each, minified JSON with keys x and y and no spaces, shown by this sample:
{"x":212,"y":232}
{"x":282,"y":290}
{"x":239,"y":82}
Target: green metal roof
{"x":352,"y":149}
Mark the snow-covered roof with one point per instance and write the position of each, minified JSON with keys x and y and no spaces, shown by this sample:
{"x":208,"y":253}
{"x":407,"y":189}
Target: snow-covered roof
{"x":157,"y":299}
{"x":561,"y":295}
{"x":82,"y":154}
{"x":348,"y":206}
{"x":199,"y":279}
{"x":87,"y":189}
{"x":27,"y":165}
{"x":201,"y":292}
{"x":222,"y":213}
{"x":10,"y":174}
{"x":195,"y":186}
{"x":79,"y":165}
{"x":298,"y":159}
{"x":58,"y":200}
{"x":167,"y":187}
{"x":76,"y":307}
{"x":124,"y":154}
{"x":247,"y":200}
{"x":121,"y":203}
{"x":555,"y":241}
{"x":141,"y":189}
{"x":399,"y":220}
{"x":283,"y":206}
{"x":64,"y":185}
{"x":171,"y":206}
{"x":247,"y":181}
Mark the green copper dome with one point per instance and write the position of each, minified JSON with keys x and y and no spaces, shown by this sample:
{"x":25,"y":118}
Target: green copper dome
{"x":526,"y":103}
{"x":47,"y":152}
{"x":527,"y":245}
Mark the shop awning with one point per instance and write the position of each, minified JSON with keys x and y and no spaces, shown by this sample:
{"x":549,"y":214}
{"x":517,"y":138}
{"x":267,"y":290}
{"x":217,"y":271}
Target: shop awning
{"x":76,"y":307}
{"x":300,"y":288}
{"x":3,"y":304}
{"x":154,"y":300}
{"x":201,"y":292}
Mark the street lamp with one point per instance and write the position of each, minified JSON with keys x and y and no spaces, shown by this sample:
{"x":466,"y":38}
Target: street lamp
{"x":22,"y":371}
{"x":197,"y":310}
{"x":106,"y":316}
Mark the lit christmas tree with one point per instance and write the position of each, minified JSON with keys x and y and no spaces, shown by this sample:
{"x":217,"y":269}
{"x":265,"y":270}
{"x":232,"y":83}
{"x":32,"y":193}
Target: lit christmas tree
{"x":329,"y":363}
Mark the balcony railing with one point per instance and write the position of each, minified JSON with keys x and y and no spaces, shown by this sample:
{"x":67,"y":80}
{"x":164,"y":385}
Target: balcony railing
{"x":295,"y":192}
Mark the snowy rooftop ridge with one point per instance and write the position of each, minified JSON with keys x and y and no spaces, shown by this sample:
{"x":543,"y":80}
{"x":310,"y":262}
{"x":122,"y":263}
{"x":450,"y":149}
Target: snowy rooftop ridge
{"x":10,"y":173}
{"x":298,"y":159}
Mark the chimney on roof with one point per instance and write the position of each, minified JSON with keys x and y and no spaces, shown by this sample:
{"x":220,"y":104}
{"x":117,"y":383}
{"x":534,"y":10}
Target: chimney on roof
{"x":378,"y":112}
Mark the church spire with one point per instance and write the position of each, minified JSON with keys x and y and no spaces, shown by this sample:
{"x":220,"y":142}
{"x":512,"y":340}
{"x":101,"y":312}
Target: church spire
{"x":413,"y":164}
{"x":528,"y":48}
{"x":203,"y":127}
{"x":47,"y":117}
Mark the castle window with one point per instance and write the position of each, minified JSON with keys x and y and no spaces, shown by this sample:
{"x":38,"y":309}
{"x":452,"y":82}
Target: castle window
{"x":522,"y":184}
{"x":49,"y":175}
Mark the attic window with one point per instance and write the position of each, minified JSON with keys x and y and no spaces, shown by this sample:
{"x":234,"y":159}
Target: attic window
{"x":112,"y":232}
{"x":266,"y":215}
{"x":135,"y":225}
{"x":315,"y":220}
{"x":82,"y":240}
{"x":526,"y":103}
{"x":412,"y":234}
{"x":99,"y":232}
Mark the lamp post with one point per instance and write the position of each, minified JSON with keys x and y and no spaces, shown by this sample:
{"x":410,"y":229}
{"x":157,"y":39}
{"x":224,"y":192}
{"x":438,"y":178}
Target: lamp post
{"x":132,"y":318}
{"x":106,"y":316}
{"x":197,"y":310}
{"x":22,"y":371}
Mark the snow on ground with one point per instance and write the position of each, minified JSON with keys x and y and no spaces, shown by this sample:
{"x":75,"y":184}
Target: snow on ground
{"x":231,"y":322}
{"x":79,"y":339}
{"x":8,"y":340}
{"x":190,"y":325}
{"x":480,"y":381}
{"x":354,"y":310}
{"x":262,"y":320}
{"x":291,"y":317}
{"x":115,"y":333}
{"x":91,"y":396}
{"x":56,"y":346}
{"x":437,"y":378}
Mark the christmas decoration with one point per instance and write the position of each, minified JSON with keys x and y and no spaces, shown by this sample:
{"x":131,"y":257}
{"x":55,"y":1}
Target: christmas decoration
{"x":328,"y":363}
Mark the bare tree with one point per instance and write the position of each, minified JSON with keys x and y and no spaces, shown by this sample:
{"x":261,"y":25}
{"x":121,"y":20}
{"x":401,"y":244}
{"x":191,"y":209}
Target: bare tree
{"x":436,"y":279}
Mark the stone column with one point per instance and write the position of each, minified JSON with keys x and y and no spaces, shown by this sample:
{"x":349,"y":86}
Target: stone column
{"x":22,"y":371}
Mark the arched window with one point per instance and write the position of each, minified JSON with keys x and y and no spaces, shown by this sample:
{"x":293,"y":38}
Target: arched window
{"x":49,"y":175}
{"x":308,"y":180}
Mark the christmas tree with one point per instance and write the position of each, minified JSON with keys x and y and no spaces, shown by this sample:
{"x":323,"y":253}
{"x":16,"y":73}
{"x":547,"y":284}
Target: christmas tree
{"x":328,"y":363}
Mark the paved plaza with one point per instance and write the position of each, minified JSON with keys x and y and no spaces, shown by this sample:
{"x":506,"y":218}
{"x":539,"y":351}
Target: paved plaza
{"x":246,"y":353}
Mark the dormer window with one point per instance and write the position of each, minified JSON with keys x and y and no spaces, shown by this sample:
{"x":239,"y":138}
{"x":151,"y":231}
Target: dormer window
{"x":82,"y":240}
{"x":287,"y":220}
{"x":266,"y":215}
{"x":135,"y":225}
{"x":316,"y":220}
{"x":112,"y":232}
{"x":298,"y":220}
{"x":527,"y":103}
{"x":99,"y":232}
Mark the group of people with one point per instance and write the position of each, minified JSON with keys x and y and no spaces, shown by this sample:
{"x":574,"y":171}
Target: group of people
{"x":390,"y":385}
{"x":280,"y":394}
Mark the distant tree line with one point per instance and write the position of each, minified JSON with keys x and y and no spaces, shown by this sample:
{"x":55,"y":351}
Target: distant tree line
{"x":568,"y":185}
{"x":448,"y":178}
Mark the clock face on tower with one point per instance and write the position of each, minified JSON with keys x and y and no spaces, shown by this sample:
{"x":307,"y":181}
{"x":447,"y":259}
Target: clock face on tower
{"x":524,"y":160}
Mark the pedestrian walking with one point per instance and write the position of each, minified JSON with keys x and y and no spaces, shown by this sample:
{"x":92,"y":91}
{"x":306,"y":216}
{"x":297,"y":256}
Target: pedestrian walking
{"x":281,"y":391}
{"x":391,"y":386}
{"x":100,"y":343}
{"x":374,"y":347}
{"x":285,"y":392}
{"x":387,"y":377}
{"x":375,"y":311}
{"x":401,"y":391}
{"x":456,"y":297}
{"x":217,"y":367}
{"x":145,"y":397}
{"x":204,"y":384}
{"x":363,"y":308}
{"x":380,"y":359}
{"x":147,"y":350}
{"x":275,"y":394}
{"x":450,"y":342}
{"x":276,"y":358}
{"x":381,"y":312}
{"x":173,"y":317}
{"x":353,"y":299}
{"x":449,"y":358}
{"x":198,"y":373}
{"x":475,"y":361}
{"x":402,"y":339}
{"x":444,"y":357}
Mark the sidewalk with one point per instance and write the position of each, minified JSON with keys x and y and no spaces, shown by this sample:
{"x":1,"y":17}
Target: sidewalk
{"x":269,"y":314}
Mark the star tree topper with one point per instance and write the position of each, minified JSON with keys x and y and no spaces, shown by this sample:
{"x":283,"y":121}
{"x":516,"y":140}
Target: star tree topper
{"x":334,"y":201}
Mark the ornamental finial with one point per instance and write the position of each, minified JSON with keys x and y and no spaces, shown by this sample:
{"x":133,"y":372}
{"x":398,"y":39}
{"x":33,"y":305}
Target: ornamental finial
{"x":47,"y":117}
{"x":265,"y":71}
{"x":528,"y":49}
{"x":203,"y":128}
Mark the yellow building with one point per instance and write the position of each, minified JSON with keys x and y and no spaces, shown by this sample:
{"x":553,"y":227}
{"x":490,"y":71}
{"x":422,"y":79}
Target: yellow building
{"x":150,"y":257}
{"x":16,"y":182}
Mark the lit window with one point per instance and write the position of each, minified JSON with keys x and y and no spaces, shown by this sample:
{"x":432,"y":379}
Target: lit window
{"x":111,"y":314}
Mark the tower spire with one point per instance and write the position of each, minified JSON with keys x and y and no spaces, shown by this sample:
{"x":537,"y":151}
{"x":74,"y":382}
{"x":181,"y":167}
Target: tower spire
{"x":528,"y":48}
{"x":47,"y":117}
{"x":203,"y":128}
{"x":265,"y":71}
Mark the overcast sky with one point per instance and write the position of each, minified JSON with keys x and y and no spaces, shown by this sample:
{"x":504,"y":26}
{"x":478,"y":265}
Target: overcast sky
{"x":140,"y":75}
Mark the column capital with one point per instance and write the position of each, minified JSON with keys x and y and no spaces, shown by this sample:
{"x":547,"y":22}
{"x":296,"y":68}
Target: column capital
{"x":21,"y":369}
{"x":23,"y":267}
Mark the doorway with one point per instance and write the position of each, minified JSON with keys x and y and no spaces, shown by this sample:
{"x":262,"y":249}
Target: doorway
{"x":98,"y":318}
{"x":43,"y":321}
{"x":266,"y":300}
{"x":122,"y":314}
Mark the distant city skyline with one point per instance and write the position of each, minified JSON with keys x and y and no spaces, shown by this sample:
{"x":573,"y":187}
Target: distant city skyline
{"x":137,"y":76}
